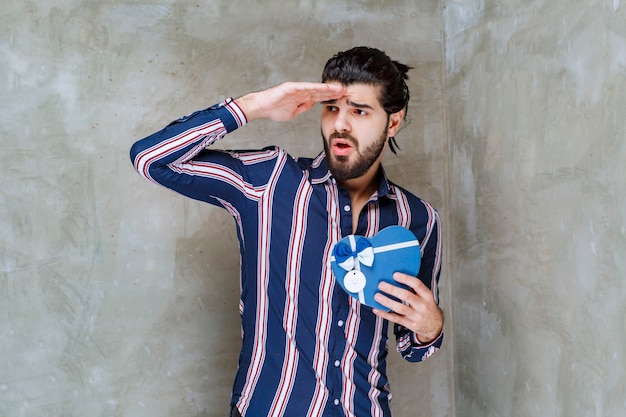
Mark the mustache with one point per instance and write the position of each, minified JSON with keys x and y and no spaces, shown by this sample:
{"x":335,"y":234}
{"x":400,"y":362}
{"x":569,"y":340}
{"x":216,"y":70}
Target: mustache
{"x":343,"y":135}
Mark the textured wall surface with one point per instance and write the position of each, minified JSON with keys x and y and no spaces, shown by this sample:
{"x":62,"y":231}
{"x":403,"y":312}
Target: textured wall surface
{"x":118,"y":298}
{"x":536,"y":109}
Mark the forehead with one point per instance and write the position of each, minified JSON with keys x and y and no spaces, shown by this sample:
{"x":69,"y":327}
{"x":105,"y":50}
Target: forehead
{"x":362,"y":94}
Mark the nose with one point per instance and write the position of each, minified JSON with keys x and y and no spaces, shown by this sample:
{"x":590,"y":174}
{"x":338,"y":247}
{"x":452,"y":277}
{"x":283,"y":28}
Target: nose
{"x":342,"y":124}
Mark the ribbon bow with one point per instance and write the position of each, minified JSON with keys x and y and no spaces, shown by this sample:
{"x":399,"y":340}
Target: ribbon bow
{"x":347,"y":255}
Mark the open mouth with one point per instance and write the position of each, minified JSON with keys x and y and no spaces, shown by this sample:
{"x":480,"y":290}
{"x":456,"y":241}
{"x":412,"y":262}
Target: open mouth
{"x":341,"y":147}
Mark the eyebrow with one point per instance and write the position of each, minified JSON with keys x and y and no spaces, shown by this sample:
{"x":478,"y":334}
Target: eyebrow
{"x":350,"y":103}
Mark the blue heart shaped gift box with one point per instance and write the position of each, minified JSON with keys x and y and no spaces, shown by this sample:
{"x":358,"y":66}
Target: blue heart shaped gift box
{"x":359,"y":263}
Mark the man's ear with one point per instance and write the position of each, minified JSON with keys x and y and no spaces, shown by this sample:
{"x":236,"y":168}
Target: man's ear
{"x":395,"y":121}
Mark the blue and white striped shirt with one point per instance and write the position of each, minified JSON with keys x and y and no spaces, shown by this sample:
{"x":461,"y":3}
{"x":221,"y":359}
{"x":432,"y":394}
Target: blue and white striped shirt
{"x":308,"y":348}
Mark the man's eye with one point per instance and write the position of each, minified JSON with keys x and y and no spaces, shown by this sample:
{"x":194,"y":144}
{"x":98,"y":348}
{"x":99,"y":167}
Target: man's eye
{"x":331,"y":108}
{"x":360,"y":112}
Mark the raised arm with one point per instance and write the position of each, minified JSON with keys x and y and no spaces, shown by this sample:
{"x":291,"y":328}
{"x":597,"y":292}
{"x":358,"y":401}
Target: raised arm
{"x":176,"y":156}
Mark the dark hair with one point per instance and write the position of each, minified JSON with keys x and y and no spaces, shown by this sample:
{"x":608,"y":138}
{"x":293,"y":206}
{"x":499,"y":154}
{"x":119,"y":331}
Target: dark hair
{"x":364,"y":65}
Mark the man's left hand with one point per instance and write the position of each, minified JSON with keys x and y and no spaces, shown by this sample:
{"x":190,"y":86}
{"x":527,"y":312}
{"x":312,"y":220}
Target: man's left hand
{"x":417,"y":310}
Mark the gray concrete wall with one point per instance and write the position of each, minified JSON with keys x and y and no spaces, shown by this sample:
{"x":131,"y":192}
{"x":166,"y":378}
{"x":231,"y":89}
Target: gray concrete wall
{"x":536,"y":110}
{"x":118,"y":298}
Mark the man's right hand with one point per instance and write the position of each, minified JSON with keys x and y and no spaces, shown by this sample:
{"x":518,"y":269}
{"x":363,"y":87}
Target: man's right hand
{"x":285,"y":101}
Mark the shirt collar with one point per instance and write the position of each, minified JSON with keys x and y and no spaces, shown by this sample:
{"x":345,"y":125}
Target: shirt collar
{"x":320,"y":174}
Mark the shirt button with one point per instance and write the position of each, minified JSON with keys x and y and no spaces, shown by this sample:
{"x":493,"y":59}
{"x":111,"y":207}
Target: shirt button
{"x":340,"y":323}
{"x":346,"y":207}
{"x":337,"y":363}
{"x":336,"y":401}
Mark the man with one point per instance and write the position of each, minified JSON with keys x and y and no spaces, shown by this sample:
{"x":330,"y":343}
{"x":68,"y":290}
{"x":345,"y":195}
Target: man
{"x":308,"y":348}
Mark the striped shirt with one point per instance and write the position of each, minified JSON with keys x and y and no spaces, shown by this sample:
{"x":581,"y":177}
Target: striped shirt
{"x":308,"y":348}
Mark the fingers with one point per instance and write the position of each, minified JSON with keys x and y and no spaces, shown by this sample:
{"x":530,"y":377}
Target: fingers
{"x":322,"y":88}
{"x":398,"y":307}
{"x":314,"y":92}
{"x":392,"y":317}
{"x":416,"y":284}
{"x":420,"y":292}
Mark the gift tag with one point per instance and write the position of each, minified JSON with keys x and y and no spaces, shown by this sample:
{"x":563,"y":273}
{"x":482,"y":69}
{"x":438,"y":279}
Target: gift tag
{"x":354,"y":281}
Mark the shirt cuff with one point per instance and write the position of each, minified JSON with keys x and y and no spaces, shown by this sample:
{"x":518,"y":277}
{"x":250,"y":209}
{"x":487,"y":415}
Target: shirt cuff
{"x":435,"y":342}
{"x":237,"y":116}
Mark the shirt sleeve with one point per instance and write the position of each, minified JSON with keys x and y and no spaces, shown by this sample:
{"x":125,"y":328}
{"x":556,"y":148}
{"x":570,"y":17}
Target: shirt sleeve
{"x":407,"y":343}
{"x":177,"y":157}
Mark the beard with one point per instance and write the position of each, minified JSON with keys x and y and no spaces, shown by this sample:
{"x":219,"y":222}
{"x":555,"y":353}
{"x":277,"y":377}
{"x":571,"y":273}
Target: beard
{"x":341,"y":167}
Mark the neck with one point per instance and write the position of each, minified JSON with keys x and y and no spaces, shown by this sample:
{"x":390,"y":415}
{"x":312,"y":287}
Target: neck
{"x":361,"y":188}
